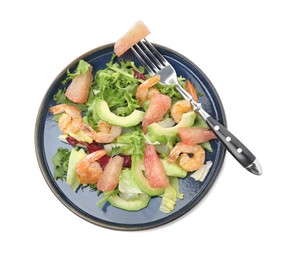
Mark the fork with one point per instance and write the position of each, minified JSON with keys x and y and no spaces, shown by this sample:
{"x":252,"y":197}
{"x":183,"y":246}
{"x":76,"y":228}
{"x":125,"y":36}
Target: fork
{"x":155,"y":63}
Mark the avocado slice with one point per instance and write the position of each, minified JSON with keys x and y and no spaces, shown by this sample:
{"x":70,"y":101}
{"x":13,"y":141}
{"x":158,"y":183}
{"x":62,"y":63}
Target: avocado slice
{"x":173,"y":169}
{"x":137,"y":169}
{"x":74,"y":159}
{"x":163,"y":134}
{"x":103,"y":111}
{"x":132,"y":205}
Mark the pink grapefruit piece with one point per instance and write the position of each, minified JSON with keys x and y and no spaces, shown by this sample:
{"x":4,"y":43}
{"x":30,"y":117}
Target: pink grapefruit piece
{"x":135,"y":34}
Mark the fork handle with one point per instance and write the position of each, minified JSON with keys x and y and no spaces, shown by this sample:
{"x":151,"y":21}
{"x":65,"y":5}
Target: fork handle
{"x":238,"y":150}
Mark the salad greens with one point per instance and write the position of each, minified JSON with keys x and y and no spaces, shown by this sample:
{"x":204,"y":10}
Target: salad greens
{"x":117,"y":85}
{"x":82,"y":67}
{"x":132,"y":143}
{"x":127,"y":185}
{"x":75,"y":157}
{"x":60,"y":98}
{"x":61,"y":163}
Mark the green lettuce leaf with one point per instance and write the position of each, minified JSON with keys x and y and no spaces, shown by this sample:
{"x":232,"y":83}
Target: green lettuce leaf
{"x":175,"y":184}
{"x":117,"y":85}
{"x":170,"y":196}
{"x":128,"y":185}
{"x":60,"y":98}
{"x":169,"y":90}
{"x":61,"y":161}
{"x":169,"y":200}
{"x":91,"y":118}
{"x":136,"y":141}
{"x":82,"y":67}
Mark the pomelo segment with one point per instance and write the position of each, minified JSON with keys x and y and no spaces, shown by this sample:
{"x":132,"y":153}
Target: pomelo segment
{"x":78,"y":90}
{"x":154,"y":169}
{"x":193,"y":135}
{"x":159,"y":105}
{"x":135,"y":34}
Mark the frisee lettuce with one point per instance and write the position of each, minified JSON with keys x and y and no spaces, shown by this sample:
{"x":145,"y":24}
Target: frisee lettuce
{"x":90,"y":117}
{"x":61,"y":162}
{"x":169,"y":90}
{"x":117,"y":85}
{"x":60,"y":98}
{"x":82,"y":67}
{"x":135,"y":141}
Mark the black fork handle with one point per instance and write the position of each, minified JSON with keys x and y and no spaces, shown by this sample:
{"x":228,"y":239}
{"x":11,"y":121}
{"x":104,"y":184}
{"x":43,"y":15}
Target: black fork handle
{"x":238,"y":150}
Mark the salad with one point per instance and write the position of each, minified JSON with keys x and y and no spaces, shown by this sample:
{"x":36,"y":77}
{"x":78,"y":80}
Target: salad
{"x":131,"y":138}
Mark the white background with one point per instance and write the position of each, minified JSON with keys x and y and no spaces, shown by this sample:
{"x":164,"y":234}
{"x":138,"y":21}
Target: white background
{"x":240,"y":45}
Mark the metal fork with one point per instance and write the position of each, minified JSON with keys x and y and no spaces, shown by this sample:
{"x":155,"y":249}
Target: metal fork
{"x":155,"y":63}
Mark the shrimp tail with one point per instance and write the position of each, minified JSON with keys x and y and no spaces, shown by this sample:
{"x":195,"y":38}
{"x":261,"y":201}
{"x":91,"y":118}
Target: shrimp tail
{"x":89,"y":131}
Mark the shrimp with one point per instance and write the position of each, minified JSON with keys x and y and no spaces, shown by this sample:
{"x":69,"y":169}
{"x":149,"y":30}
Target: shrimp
{"x":184,"y":106}
{"x":152,"y":91}
{"x":179,"y":108}
{"x":71,"y":119}
{"x":188,"y":163}
{"x":191,"y":90}
{"x":142,"y":90}
{"x":107,"y":133}
{"x":88,"y":170}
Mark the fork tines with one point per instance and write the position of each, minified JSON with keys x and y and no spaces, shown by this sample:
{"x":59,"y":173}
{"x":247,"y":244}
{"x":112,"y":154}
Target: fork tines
{"x":149,"y":57}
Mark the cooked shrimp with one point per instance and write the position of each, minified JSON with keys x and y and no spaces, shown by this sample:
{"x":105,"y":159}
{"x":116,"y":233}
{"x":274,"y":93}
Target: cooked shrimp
{"x":142,"y":90}
{"x":107,"y":133}
{"x":175,"y":152}
{"x":184,"y":106}
{"x":188,"y":163}
{"x":88,"y":170}
{"x":191,"y":89}
{"x":179,"y":108}
{"x":71,"y":119}
{"x":152,"y":91}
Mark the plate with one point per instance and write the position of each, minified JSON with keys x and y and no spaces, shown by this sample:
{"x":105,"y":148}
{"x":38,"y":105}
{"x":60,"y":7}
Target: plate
{"x":83,"y":202}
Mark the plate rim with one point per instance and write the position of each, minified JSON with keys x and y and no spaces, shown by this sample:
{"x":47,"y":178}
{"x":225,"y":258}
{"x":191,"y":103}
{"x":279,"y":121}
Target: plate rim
{"x":90,"y":218}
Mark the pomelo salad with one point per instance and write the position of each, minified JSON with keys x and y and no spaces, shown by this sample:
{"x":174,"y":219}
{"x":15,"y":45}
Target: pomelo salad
{"x":131,"y":138}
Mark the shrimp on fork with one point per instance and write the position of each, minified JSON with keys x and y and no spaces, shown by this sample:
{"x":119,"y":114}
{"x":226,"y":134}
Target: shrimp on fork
{"x":71,"y":119}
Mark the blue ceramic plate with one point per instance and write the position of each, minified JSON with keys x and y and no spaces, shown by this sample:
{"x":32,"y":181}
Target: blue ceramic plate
{"x":83,"y":202}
